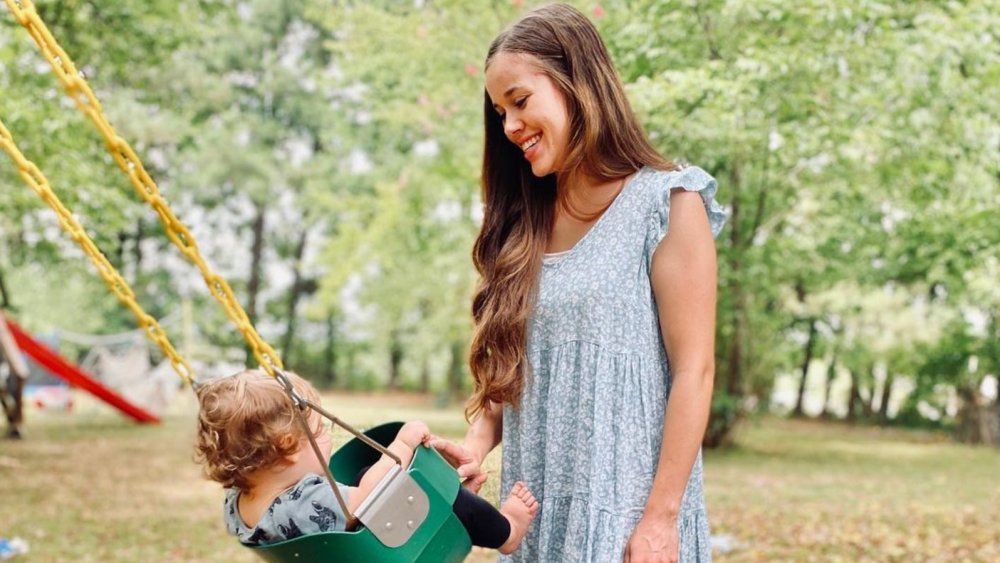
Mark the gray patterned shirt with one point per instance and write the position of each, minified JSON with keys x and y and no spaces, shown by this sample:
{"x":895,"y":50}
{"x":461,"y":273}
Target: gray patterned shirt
{"x":307,"y":508}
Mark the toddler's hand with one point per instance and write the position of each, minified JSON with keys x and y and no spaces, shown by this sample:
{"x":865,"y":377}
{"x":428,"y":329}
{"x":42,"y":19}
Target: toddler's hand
{"x":414,"y":433}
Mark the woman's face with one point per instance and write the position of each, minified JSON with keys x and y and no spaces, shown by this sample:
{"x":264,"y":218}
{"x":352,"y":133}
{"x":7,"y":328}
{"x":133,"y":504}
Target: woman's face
{"x":532,"y":108}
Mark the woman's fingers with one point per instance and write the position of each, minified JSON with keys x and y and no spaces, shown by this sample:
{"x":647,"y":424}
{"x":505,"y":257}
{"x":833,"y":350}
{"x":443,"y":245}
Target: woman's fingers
{"x":469,"y":471}
{"x":473,"y":484}
{"x":452,"y":452}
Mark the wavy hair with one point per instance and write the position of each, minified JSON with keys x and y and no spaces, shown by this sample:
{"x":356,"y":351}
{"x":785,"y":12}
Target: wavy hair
{"x":245,"y":424}
{"x":606,"y":143}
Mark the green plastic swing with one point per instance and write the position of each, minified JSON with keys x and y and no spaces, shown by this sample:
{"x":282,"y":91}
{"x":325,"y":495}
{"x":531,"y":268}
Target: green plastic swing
{"x":441,"y":538}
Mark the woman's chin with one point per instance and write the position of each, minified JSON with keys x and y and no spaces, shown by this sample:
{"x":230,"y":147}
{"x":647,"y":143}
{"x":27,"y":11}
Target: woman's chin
{"x":540,"y":170}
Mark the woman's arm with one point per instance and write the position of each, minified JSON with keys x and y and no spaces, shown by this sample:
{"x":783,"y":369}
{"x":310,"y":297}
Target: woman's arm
{"x":485,"y":432}
{"x":483,"y":435}
{"x":684,"y":284}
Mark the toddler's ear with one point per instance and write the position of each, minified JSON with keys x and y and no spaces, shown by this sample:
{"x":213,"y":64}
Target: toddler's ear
{"x":288,"y":443}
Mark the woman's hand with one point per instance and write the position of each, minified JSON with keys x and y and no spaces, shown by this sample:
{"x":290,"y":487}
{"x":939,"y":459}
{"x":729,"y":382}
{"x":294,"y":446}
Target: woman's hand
{"x":654,"y":540}
{"x":467,"y":464}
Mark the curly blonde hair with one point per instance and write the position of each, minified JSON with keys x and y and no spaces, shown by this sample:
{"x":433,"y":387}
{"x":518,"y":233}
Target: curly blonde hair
{"x":245,"y":424}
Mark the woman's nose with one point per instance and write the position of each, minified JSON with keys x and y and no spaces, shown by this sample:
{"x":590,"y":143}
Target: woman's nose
{"x":512,"y":125}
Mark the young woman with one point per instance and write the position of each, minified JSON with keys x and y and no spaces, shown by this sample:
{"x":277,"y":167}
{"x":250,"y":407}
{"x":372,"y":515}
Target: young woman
{"x":595,"y":312}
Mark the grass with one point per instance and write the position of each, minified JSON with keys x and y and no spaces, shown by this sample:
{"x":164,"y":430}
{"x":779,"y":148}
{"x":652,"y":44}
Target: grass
{"x":89,"y":486}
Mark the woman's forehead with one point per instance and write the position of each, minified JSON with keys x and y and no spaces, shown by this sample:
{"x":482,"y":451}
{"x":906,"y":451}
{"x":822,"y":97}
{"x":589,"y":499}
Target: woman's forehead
{"x":508,"y":71}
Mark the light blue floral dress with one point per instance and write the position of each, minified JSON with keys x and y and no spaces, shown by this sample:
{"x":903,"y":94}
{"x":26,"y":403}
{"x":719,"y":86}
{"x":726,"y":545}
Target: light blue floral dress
{"x":586,"y":436}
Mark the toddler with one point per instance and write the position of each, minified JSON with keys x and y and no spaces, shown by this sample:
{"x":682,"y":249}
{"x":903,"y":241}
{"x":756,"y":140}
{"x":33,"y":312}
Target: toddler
{"x":250,"y":442}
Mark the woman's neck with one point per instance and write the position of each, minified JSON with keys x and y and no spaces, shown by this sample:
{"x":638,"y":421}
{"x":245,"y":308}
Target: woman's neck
{"x":584,"y":198}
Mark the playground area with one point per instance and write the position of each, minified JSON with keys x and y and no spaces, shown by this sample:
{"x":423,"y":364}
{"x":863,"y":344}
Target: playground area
{"x":91,"y":486}
{"x":352,"y":256}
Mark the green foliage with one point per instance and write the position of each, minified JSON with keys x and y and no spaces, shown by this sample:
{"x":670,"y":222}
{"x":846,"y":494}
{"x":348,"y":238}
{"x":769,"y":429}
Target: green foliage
{"x":854,"y":143}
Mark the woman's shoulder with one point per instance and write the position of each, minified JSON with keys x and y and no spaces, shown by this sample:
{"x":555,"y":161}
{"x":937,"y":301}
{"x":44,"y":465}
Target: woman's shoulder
{"x":657,"y":185}
{"x":659,"y":181}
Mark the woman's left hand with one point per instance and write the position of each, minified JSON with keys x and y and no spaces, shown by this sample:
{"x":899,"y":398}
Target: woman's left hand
{"x":654,"y":540}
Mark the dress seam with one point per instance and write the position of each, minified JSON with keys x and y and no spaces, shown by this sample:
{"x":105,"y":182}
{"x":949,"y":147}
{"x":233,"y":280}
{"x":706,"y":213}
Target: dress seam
{"x":603,"y":348}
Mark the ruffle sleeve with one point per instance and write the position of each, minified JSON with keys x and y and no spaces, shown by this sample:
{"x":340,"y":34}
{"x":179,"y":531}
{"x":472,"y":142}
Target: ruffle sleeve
{"x":692,"y":179}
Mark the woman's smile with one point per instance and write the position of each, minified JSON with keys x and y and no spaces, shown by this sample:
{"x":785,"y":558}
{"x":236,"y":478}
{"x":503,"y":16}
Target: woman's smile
{"x":531,"y":146}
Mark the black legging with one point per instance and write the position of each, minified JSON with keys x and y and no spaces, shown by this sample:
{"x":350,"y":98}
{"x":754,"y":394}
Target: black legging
{"x":483,"y":522}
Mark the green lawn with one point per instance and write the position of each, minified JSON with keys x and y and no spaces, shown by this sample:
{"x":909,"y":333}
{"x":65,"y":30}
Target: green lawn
{"x":89,"y":486}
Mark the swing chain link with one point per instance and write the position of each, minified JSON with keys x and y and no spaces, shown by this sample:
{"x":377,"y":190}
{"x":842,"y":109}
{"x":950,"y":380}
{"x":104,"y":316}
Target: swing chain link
{"x":114,"y":280}
{"x":80,"y":92}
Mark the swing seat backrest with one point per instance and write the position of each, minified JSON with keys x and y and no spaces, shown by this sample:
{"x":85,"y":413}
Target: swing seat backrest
{"x":441,"y":538}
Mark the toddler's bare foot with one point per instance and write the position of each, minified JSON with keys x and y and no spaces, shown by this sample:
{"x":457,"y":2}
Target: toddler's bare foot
{"x":519,"y":509}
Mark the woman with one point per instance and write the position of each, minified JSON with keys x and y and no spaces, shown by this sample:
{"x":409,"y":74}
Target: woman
{"x":593,"y":347}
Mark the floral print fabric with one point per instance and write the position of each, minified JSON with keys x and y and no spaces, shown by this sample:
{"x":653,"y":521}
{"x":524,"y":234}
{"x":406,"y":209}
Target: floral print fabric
{"x":587,"y":434}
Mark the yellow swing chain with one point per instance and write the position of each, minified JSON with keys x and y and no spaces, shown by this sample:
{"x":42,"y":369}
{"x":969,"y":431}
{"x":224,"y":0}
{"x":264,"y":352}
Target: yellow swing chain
{"x":81,"y":94}
{"x":116,"y":283}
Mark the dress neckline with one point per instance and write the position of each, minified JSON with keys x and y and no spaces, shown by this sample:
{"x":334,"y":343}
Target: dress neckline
{"x":558,"y":258}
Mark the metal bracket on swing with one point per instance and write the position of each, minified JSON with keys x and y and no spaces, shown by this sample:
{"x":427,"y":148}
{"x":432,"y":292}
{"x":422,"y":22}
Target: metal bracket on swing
{"x":397,"y":506}
{"x":395,"y":509}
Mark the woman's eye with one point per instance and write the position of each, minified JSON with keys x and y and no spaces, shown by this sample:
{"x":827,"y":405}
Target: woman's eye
{"x":519,"y":103}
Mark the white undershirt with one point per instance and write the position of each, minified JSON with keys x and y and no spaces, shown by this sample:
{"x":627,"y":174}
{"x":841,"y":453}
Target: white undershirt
{"x":554,"y":257}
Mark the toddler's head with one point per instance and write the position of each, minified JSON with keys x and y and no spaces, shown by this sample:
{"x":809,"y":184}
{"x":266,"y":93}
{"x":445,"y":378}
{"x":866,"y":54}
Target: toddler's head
{"x":246,"y":424}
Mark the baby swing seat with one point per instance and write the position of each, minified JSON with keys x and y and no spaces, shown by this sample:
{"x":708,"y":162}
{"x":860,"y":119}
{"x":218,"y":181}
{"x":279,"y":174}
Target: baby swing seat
{"x":440,"y":538}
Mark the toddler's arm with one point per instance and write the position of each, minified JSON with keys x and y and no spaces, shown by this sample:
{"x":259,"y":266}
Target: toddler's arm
{"x":411,"y":435}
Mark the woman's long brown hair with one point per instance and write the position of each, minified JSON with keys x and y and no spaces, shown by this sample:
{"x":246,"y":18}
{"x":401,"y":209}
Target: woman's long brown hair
{"x":606,"y":143}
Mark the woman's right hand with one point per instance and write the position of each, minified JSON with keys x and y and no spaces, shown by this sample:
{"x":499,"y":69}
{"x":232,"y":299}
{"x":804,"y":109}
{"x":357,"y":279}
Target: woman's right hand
{"x":467,"y":464}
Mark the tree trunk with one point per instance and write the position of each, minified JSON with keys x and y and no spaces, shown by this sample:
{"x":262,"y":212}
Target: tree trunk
{"x":118,"y":258}
{"x":810,"y":344}
{"x":455,"y":369}
{"x":256,"y":256}
{"x":12,"y":390}
{"x":425,"y":369}
{"x":726,"y":410}
{"x":349,"y":373}
{"x":867,"y":405}
{"x":854,"y":397}
{"x":883,"y":406}
{"x":734,"y":361}
{"x":330,"y":352}
{"x":4,"y":294}
{"x":425,"y":376}
{"x":12,"y":398}
{"x":978,"y":421}
{"x":140,"y":234}
{"x":831,"y":375}
{"x":294,"y":294}
{"x":395,"y":359}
